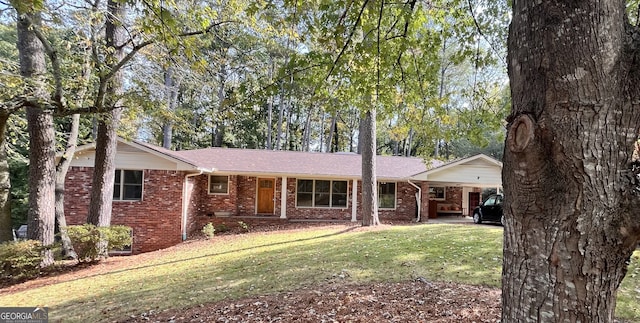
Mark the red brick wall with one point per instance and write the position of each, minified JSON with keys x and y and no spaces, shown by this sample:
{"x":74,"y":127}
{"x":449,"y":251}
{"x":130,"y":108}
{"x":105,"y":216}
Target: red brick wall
{"x":242,"y":190}
{"x":156,"y":220}
{"x":453,"y":196}
{"x":210,"y":204}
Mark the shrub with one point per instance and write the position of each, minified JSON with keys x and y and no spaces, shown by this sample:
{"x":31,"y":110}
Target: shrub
{"x":86,"y":240}
{"x":243,"y":225}
{"x":20,"y":259}
{"x":119,"y":236}
{"x":208,"y":230}
{"x":221,"y":227}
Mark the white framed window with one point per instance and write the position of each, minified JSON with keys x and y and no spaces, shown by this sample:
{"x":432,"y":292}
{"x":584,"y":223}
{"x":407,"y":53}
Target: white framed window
{"x":437,"y":193}
{"x":128,"y":185}
{"x":321,"y":193}
{"x":218,"y":184}
{"x":387,"y":195}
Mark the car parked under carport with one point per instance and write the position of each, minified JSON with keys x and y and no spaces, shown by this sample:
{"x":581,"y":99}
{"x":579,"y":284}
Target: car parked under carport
{"x":490,"y":210}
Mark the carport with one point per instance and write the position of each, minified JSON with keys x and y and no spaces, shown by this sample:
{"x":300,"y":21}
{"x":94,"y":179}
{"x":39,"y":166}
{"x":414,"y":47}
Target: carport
{"x":455,"y":188}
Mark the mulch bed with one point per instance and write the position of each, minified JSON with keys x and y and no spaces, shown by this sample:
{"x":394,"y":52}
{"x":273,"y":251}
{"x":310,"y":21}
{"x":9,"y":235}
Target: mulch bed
{"x":414,"y":301}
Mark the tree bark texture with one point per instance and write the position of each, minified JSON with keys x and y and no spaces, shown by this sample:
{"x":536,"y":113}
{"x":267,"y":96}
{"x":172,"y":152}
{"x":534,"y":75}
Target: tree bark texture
{"x":6,"y":226}
{"x":106,"y":141}
{"x":571,"y":193}
{"x":369,"y":181}
{"x":61,"y":174}
{"x":40,"y":217}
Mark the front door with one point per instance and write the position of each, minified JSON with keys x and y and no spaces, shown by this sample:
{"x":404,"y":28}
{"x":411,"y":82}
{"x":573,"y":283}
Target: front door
{"x":266,"y":188}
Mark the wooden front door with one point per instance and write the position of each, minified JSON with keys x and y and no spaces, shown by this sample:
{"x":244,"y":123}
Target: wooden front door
{"x":474,"y":200}
{"x":266,"y":189}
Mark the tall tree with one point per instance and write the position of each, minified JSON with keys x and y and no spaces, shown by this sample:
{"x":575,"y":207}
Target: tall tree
{"x":106,"y":140}
{"x":571,"y":188}
{"x":41,"y":216}
{"x":10,"y":85}
{"x":6,"y":225}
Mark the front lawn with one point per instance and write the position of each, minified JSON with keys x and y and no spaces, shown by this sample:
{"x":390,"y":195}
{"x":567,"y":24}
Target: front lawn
{"x":264,"y":263}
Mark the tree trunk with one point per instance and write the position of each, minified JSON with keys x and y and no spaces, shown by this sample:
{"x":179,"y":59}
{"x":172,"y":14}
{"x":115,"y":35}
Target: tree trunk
{"x":106,"y":141}
{"x":6,"y":226}
{"x":369,"y":181}
{"x":61,"y":173}
{"x":270,"y":109}
{"x":171,"y":94}
{"x":571,"y":196}
{"x":218,"y":135}
{"x":41,"y":136}
{"x":361,"y":131}
{"x":322,"y":120}
{"x":332,"y":128}
{"x":306,"y":136}
{"x":407,"y":151}
{"x":280,"y":117}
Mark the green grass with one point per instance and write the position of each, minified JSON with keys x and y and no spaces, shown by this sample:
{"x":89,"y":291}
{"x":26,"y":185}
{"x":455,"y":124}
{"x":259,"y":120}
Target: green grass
{"x":268,"y":263}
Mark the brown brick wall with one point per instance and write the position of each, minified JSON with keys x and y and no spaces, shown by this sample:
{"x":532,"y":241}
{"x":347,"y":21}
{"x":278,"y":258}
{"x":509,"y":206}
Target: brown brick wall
{"x":155,"y":220}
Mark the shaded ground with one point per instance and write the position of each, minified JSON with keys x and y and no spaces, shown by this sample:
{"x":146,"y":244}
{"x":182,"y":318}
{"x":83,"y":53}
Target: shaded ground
{"x":416,"y":301}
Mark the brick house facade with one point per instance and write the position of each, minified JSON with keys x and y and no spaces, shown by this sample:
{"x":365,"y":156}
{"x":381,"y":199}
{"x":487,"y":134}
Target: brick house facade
{"x":155,"y":219}
{"x":166,"y":196}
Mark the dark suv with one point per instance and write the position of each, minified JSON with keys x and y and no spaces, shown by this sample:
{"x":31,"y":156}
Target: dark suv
{"x":490,"y":210}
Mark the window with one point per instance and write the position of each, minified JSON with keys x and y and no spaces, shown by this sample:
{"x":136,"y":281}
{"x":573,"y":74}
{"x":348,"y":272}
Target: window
{"x":437,"y":193}
{"x":493,"y":200}
{"x":218,"y":184}
{"x":321,"y":193}
{"x":386,"y":195}
{"x":127,"y":185}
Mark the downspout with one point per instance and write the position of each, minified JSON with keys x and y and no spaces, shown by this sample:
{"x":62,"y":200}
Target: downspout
{"x":418,"y":198}
{"x":185,"y":203}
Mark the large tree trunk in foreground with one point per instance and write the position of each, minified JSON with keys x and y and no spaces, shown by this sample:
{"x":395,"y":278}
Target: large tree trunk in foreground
{"x":41,"y":136}
{"x":369,"y":181}
{"x":106,"y":141}
{"x":571,"y":198}
{"x":6,"y":226}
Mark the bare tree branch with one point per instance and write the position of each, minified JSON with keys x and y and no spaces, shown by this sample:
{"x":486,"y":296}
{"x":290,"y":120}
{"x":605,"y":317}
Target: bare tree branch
{"x":348,"y":42}
{"x":481,"y":33}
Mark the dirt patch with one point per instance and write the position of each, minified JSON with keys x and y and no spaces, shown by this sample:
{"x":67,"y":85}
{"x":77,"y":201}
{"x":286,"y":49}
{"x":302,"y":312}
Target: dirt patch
{"x":415,"y":301}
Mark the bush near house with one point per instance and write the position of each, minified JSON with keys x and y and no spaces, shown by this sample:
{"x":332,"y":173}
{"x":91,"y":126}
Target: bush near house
{"x":85,"y":239}
{"x":20,"y":259}
{"x":209,"y":230}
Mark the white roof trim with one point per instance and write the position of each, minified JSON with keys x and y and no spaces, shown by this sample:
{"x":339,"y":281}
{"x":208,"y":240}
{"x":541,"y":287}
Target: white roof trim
{"x":156,"y":153}
{"x":459,"y":162}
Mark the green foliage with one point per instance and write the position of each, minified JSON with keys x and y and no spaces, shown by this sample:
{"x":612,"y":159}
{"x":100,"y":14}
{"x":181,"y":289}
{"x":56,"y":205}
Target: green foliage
{"x":221,"y":228}
{"x":87,"y":238}
{"x":208,"y":230}
{"x":243,"y":225}
{"x":20,"y":259}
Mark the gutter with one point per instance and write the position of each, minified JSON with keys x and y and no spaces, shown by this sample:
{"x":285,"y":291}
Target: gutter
{"x":418,"y":198}
{"x":185,"y":203}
